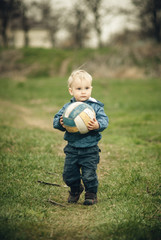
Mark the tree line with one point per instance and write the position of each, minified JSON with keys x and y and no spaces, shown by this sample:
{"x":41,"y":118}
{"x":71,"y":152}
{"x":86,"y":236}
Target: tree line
{"x":78,"y":21}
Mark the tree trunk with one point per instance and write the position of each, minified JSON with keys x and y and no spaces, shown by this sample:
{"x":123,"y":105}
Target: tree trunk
{"x":26,"y":39}
{"x":4,"y":31}
{"x":156,"y":24}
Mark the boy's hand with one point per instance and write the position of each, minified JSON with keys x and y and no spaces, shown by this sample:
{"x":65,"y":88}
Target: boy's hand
{"x":93,"y":124}
{"x":61,"y":121}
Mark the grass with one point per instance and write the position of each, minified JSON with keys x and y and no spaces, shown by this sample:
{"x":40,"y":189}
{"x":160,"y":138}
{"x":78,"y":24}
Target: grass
{"x":129,"y":61}
{"x":129,"y":170}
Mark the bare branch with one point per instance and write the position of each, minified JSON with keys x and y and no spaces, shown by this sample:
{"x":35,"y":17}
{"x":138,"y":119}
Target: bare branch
{"x":52,"y":184}
{"x":56,"y":203}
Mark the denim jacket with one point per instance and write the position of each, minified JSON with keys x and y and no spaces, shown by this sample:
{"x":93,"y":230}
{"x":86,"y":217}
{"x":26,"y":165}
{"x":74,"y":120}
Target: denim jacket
{"x":92,"y":137}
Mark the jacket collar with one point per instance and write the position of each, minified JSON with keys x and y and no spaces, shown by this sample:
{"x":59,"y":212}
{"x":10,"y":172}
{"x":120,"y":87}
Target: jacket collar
{"x":90,"y":100}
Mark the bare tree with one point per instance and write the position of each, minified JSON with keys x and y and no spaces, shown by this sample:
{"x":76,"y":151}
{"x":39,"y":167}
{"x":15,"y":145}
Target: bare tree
{"x":9,"y":10}
{"x":149,"y":14}
{"x":95,"y":7}
{"x":22,"y":21}
{"x":25,"y":22}
{"x":14,"y":15}
{"x":78,"y":26}
{"x":50,"y":19}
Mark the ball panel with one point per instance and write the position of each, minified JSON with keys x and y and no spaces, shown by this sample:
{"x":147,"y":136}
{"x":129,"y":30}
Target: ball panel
{"x":70,"y":108}
{"x":80,"y":125}
{"x":89,"y":107}
{"x":68,"y":122}
{"x":76,"y":111}
{"x":85,"y":118}
{"x":72,"y":129}
{"x":90,"y":113}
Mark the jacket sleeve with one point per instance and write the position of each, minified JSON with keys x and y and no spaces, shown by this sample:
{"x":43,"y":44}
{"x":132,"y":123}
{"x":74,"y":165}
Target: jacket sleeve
{"x":102,"y":119}
{"x":56,"y":120}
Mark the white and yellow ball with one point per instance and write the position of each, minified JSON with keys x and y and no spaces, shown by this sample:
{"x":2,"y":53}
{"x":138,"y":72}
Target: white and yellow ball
{"x":77,"y":116}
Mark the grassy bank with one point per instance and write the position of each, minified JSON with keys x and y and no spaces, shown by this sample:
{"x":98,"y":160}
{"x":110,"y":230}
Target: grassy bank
{"x":129,"y":171}
{"x":139,"y":60}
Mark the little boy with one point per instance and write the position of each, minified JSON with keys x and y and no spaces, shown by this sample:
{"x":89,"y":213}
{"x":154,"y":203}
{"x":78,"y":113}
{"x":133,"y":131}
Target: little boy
{"x":82,"y":151}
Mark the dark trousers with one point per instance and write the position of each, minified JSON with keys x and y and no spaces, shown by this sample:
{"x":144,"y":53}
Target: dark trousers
{"x":81,"y":163}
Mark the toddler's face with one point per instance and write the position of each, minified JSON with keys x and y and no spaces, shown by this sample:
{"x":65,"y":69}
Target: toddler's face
{"x":81,"y":90}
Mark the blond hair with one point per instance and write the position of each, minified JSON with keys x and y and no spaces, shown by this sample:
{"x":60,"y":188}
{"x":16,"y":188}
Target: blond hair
{"x":79,"y":74}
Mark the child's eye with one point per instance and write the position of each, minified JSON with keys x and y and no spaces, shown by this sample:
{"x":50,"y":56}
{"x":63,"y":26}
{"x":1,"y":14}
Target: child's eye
{"x":78,"y":88}
{"x":87,"y":88}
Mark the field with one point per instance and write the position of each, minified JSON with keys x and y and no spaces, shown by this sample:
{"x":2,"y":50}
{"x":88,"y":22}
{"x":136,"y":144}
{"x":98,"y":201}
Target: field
{"x":31,"y":151}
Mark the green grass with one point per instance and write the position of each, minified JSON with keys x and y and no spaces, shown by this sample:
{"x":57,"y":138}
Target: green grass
{"x":49,"y":62}
{"x":114,"y":60}
{"x":129,"y":171}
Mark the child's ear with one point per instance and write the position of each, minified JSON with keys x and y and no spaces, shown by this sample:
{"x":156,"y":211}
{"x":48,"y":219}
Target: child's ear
{"x":70,"y":91}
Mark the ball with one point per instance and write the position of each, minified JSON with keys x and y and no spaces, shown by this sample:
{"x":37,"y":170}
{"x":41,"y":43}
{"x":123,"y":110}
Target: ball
{"x":77,"y":116}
